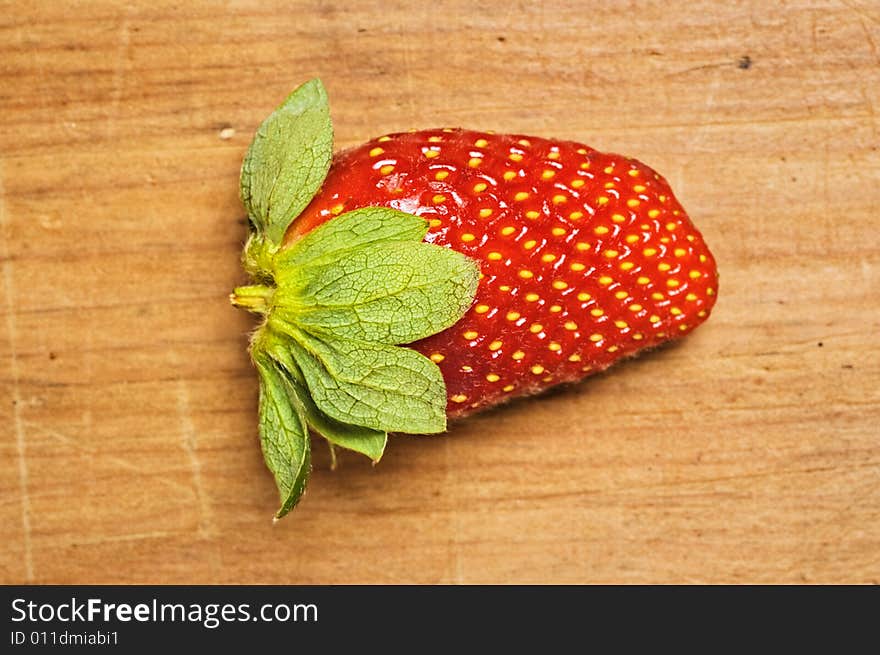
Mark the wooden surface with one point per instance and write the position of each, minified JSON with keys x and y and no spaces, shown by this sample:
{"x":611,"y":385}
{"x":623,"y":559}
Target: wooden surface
{"x":748,"y":453}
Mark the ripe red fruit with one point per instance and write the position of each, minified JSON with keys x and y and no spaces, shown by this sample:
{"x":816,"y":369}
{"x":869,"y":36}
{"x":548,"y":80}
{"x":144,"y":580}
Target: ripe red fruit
{"x":545,"y":262}
{"x":586,"y":257}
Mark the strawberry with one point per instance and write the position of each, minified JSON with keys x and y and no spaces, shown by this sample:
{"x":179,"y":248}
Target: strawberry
{"x":426,"y":275}
{"x":586,"y":257}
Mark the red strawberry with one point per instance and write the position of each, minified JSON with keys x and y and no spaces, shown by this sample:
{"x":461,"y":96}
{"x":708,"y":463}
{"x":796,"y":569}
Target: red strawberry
{"x":534,"y":262}
{"x":586,"y":257}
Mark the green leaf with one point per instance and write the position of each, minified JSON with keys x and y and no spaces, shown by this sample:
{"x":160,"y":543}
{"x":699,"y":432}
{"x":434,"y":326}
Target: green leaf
{"x":354,"y":229}
{"x":359,"y":439}
{"x":283,"y":435}
{"x":390,"y":293}
{"x":277,"y":346}
{"x":287,"y":161}
{"x":353,"y":437}
{"x":385,"y":388}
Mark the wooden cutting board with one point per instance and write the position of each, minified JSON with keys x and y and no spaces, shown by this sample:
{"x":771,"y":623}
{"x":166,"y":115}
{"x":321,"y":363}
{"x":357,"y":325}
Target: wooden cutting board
{"x":750,"y":452}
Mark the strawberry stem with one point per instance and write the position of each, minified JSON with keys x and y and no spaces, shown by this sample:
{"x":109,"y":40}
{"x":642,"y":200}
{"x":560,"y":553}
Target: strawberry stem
{"x":255,"y":298}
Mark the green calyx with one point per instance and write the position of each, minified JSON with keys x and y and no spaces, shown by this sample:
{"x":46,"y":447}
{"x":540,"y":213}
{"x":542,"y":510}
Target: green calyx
{"x":337,"y":304}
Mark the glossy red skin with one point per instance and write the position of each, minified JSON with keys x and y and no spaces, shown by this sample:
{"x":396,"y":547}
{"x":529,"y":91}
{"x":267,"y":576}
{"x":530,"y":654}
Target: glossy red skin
{"x":509,"y":356}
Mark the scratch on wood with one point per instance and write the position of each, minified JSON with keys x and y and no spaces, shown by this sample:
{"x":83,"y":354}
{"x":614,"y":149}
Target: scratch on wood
{"x":685,"y":71}
{"x":872,"y":46}
{"x":407,"y":70}
{"x":827,"y":534}
{"x":42,"y":430}
{"x":701,"y":131}
{"x":870,"y":106}
{"x":455,"y":542}
{"x":133,"y":536}
{"x":855,"y":8}
{"x":119,"y":73}
{"x":190,"y":447}
{"x":20,"y":448}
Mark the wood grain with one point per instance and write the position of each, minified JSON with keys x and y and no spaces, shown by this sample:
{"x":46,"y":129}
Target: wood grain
{"x":748,"y":453}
